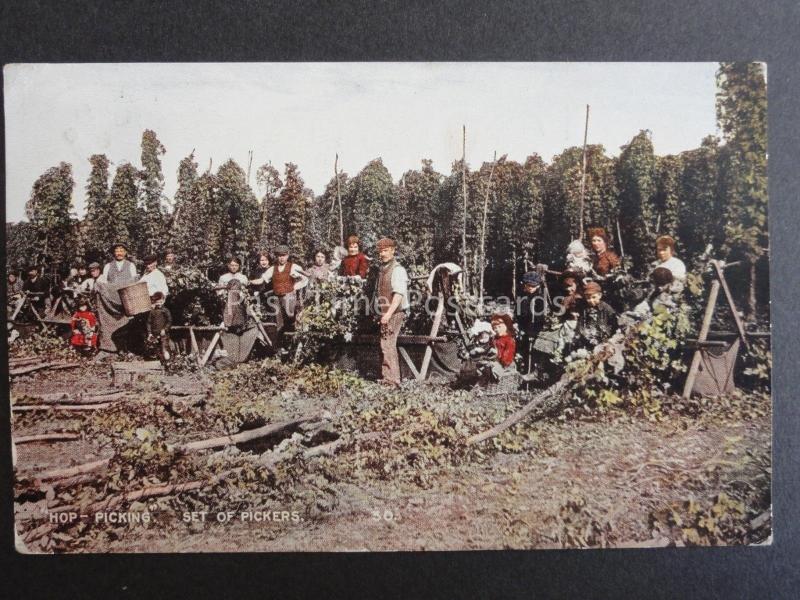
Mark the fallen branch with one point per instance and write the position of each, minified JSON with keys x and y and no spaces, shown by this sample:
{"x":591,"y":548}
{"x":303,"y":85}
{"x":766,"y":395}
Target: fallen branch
{"x":217,"y":442}
{"x":31,"y":368}
{"x":245,"y":436}
{"x":34,"y":407}
{"x":63,"y":473}
{"x":18,"y":362}
{"x":113,"y":501}
{"x":63,"y":398}
{"x":324,"y":449}
{"x":538,"y":402}
{"x":46,"y":437}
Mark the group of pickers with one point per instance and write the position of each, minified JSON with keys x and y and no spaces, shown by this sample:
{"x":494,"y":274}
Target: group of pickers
{"x":586,"y":320}
{"x":583,"y":317}
{"x":99,"y":322}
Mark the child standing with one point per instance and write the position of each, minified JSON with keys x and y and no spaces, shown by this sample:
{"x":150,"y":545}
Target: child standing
{"x":84,"y":327}
{"x":597,"y":321}
{"x":158,"y":323}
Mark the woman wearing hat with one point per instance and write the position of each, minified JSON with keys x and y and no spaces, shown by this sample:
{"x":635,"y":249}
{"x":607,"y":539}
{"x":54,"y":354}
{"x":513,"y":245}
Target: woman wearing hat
{"x":605,"y":260}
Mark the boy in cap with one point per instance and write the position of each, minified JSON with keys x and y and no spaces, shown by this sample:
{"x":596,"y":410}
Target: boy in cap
{"x":531,"y":312}
{"x":597,"y":321}
{"x":356,"y":263}
{"x":287,"y":279}
{"x":391,"y":302}
{"x":159,"y":320}
{"x":87,"y":287}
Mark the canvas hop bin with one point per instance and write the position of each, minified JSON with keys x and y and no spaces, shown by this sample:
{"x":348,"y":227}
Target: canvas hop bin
{"x":135,"y":299}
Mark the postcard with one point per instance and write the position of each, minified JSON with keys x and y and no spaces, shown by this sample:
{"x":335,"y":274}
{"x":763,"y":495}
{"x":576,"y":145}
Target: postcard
{"x":262,"y":307}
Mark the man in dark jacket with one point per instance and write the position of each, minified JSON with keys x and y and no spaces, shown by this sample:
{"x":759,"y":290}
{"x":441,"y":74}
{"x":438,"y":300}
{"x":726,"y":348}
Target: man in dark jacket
{"x":38,"y":289}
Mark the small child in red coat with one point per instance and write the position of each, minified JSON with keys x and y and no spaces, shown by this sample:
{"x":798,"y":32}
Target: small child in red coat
{"x":84,"y":328}
{"x":504,"y":344}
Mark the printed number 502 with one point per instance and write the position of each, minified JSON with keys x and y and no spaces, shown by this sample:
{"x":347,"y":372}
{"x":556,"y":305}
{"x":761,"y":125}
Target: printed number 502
{"x":386,"y":515}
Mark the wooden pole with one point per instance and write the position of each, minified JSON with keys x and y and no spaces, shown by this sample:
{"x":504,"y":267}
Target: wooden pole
{"x":339,"y":199}
{"x":704,"y":328}
{"x":583,"y":172}
{"x":538,"y":401}
{"x":483,"y":227}
{"x":464,"y":195}
{"x":718,"y":267}
{"x":249,"y":165}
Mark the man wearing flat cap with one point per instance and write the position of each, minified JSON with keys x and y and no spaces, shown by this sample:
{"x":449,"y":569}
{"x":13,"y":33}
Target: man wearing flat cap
{"x":87,"y":287}
{"x":531,"y":313}
{"x":391,"y":302}
{"x":153,"y":277}
{"x":117,"y":274}
{"x":287,"y":279}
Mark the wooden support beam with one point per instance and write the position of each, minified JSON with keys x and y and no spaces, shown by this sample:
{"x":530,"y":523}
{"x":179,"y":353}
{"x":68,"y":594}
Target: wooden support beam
{"x":437,"y":321}
{"x":194,"y":346}
{"x":210,"y":348}
{"x":404,"y":353}
{"x":702,"y":337}
{"x":729,"y":297}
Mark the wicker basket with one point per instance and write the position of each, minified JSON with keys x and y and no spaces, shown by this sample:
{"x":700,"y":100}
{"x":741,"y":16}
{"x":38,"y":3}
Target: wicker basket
{"x":135,"y":299}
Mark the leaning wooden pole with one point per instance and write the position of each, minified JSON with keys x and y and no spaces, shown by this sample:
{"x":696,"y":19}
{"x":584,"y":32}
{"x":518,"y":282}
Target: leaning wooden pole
{"x":339,"y":199}
{"x":702,"y":337}
{"x":464,"y":195}
{"x":583,"y":173}
{"x":483,"y":227}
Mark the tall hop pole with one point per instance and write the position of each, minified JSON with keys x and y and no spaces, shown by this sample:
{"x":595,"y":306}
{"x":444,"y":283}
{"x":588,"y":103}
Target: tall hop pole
{"x":583,"y":173}
{"x":464,"y":194}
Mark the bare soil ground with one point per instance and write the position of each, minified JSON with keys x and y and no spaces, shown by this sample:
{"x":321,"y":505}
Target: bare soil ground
{"x":601,"y":481}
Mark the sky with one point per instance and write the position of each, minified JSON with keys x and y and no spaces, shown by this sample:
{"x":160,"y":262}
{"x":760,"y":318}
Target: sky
{"x":306,"y":113}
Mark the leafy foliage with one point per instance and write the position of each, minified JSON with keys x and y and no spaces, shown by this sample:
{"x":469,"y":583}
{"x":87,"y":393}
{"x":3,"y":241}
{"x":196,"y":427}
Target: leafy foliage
{"x":238,"y":210}
{"x":49,"y":210}
{"x":152,"y":189}
{"x":99,"y":220}
{"x":192,"y":297}
{"x":636,"y":178}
